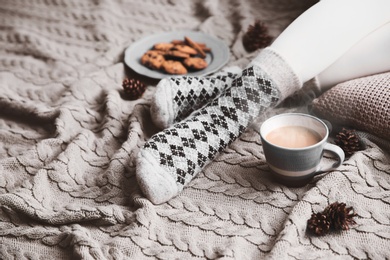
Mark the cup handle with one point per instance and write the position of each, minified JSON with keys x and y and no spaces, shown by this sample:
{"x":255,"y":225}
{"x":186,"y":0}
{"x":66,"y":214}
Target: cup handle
{"x":336,"y":150}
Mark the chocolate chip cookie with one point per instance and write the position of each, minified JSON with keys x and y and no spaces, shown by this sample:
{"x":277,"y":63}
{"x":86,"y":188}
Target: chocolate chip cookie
{"x":195,"y":63}
{"x":174,"y":67}
{"x":152,"y":59}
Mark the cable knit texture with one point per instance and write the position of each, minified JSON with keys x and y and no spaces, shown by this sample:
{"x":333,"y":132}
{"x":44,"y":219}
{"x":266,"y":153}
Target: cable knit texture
{"x":69,"y":139}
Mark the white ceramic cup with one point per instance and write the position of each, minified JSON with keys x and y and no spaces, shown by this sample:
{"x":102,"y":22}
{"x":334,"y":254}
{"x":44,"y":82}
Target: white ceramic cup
{"x":296,"y":166}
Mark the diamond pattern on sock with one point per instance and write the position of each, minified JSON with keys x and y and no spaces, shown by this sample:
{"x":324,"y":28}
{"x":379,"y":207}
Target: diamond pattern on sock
{"x":194,"y":92}
{"x":186,"y":147}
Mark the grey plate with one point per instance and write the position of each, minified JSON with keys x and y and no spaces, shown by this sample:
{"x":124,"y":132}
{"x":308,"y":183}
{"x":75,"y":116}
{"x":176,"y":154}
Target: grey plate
{"x":216,"y":59}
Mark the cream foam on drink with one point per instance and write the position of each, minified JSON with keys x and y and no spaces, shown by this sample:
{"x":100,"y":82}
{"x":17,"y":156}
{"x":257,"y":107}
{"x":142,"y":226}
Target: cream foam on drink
{"x":293,"y":137}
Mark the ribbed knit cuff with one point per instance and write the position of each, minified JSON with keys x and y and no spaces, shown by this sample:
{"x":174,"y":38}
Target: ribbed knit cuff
{"x":277,"y":68}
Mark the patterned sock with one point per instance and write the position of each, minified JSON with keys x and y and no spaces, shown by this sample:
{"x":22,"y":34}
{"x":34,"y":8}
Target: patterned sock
{"x":175,"y":98}
{"x":171,"y":158}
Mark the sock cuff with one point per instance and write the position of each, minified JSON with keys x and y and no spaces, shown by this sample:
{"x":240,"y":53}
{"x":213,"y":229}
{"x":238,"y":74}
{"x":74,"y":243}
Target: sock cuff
{"x":278,"y":69}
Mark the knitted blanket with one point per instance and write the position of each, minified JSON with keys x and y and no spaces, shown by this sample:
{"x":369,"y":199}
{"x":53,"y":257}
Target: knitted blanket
{"x":69,"y":138}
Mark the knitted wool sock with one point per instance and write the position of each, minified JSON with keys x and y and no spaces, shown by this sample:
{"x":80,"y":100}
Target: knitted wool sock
{"x":176,"y":98}
{"x":171,"y":158}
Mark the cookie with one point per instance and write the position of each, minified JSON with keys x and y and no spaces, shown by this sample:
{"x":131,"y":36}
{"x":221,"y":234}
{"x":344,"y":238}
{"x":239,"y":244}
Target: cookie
{"x":174,"y":67}
{"x":152,"y":59}
{"x":163,"y":46}
{"x":195,"y":63}
{"x":202,"y":45}
{"x":176,"y":54}
{"x":195,"y":46}
{"x":186,"y":49}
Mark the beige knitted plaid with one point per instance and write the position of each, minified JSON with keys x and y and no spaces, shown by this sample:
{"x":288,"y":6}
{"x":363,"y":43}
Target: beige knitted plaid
{"x":68,"y":139}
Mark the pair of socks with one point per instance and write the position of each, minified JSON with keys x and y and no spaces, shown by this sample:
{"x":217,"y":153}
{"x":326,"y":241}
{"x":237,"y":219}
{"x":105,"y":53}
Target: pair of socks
{"x":201,"y":116}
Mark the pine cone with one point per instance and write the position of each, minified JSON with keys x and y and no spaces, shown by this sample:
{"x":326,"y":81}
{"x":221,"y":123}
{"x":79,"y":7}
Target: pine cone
{"x":348,"y":141}
{"x":340,"y":216}
{"x":133,"y":88}
{"x":256,"y":37}
{"x":335,"y":217}
{"x":318,"y":224}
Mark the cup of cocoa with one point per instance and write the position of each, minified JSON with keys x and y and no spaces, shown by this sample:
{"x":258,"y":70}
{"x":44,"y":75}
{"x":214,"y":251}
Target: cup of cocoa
{"x":294,"y":145}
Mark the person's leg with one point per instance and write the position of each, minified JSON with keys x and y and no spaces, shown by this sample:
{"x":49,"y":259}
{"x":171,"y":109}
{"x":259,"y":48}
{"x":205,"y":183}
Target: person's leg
{"x":328,"y":30}
{"x":170,"y":159}
{"x":173,"y":157}
{"x":370,"y":56}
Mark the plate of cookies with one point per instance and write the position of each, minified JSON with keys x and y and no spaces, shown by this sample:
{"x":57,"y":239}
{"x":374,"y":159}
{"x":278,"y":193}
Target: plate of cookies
{"x":178,"y":53}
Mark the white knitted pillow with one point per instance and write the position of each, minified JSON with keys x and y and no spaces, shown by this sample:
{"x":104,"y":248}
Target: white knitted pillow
{"x":362,"y":103}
